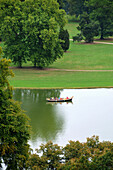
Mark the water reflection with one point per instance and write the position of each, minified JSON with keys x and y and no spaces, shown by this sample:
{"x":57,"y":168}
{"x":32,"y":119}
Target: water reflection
{"x":91,"y":113}
{"x":44,"y":120}
{"x":57,"y":103}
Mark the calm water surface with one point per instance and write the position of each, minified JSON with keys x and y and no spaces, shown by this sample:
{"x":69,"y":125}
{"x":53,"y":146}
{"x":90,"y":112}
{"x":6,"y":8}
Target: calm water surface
{"x":90,"y":113}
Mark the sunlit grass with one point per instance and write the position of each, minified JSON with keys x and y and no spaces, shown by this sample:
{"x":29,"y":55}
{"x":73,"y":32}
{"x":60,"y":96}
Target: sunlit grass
{"x":86,"y":57}
{"x":72,"y":29}
{"x":60,"y":79}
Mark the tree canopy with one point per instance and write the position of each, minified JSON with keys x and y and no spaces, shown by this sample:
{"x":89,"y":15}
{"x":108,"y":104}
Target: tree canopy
{"x":14,"y":124}
{"x":91,"y":155}
{"x":100,"y":14}
{"x":30,"y":30}
{"x":64,"y":35}
{"x":102,"y":11}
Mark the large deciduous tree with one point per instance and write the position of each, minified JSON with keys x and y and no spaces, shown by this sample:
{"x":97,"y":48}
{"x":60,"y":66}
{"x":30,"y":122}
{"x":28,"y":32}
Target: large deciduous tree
{"x":77,"y":7}
{"x":102,"y":11}
{"x":100,"y":14}
{"x":12,"y":32}
{"x":14,"y":125}
{"x":88,"y":27}
{"x":30,"y":31}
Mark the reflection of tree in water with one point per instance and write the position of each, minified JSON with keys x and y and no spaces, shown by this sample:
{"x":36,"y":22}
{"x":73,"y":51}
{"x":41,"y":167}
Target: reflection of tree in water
{"x":44,"y":120}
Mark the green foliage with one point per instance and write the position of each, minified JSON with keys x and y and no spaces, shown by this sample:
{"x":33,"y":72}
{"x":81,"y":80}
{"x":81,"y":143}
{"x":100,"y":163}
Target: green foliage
{"x":30,"y":31}
{"x":50,"y":159}
{"x":12,"y":32}
{"x":88,"y":28}
{"x":100,"y":14}
{"x":77,"y":7}
{"x":14,"y":126}
{"x":91,"y":155}
{"x":102,"y":11}
{"x":64,"y":35}
{"x":63,"y":4}
{"x":60,"y":3}
{"x":78,"y":38}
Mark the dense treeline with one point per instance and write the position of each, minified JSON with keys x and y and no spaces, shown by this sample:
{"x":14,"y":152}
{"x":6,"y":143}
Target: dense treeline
{"x":91,"y":155}
{"x":95,"y":16}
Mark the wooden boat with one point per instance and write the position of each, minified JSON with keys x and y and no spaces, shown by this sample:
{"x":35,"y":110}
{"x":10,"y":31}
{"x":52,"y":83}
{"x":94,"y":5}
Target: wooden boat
{"x":52,"y":99}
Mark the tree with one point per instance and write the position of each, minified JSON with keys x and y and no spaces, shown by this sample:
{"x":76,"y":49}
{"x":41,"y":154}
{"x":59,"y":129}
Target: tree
{"x":63,"y":4}
{"x":30,"y":31}
{"x":12,"y":32}
{"x":60,"y":3}
{"x":102,"y":11}
{"x":77,"y":7}
{"x":14,"y":124}
{"x":50,"y":159}
{"x":90,"y":155}
{"x":88,"y":27}
{"x":64,"y":35}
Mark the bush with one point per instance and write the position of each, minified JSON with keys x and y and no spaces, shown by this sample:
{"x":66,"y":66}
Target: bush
{"x":64,"y":36}
{"x":78,"y":38}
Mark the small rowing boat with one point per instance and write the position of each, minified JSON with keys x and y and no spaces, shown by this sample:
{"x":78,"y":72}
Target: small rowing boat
{"x":52,"y":99}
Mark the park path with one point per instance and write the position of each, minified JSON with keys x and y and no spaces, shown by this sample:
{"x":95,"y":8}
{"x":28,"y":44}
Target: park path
{"x":98,"y":42}
{"x":69,"y":70}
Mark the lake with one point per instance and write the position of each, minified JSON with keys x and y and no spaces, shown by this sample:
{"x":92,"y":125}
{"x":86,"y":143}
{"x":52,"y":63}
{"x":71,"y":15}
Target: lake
{"x":90,"y":113}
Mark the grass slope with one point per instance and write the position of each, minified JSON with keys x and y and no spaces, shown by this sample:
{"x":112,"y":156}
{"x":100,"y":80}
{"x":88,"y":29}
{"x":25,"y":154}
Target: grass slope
{"x":86,"y":57}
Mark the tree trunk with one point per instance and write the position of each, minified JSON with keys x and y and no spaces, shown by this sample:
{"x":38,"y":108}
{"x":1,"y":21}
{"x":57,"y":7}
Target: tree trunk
{"x":19,"y":62}
{"x":102,"y":32}
{"x":35,"y":62}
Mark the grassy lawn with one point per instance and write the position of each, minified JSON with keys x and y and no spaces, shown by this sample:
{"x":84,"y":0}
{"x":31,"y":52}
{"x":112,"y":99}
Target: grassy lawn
{"x":72,"y":29}
{"x":80,"y":57}
{"x":33,"y":78}
{"x":86,"y":57}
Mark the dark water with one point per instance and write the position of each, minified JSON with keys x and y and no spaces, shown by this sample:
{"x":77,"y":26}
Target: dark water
{"x":90,"y":113}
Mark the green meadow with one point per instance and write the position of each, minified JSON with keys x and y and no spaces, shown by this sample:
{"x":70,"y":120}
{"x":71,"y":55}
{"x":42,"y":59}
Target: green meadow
{"x":82,"y":66}
{"x":33,"y":78}
{"x":82,"y":56}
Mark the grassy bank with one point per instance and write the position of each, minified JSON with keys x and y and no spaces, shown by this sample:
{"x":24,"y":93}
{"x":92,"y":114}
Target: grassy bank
{"x":33,"y":78}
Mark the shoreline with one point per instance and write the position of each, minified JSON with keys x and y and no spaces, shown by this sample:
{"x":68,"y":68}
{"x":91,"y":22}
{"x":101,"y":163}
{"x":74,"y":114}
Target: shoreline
{"x":44,"y":88}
